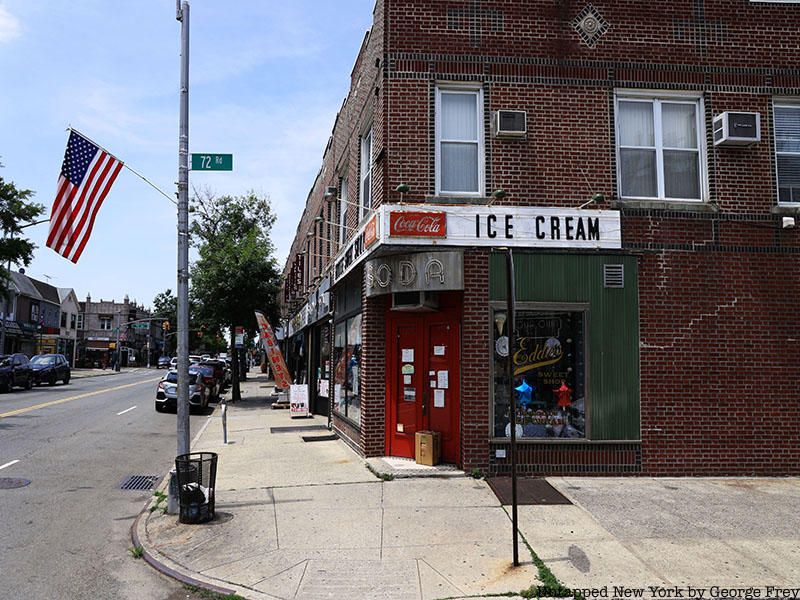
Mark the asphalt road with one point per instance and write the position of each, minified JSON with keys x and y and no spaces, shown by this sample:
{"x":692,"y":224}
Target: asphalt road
{"x":66,"y":534}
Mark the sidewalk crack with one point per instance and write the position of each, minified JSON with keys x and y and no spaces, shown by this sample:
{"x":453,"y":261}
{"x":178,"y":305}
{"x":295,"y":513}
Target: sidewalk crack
{"x":383,"y":516}
{"x":275,"y":518}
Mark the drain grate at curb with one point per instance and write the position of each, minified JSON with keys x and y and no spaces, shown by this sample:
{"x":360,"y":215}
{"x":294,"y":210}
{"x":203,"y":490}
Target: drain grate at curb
{"x":139,"y":482}
{"x":530,"y":491}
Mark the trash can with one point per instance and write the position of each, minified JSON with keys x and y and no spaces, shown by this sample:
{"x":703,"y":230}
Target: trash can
{"x":197,"y":475}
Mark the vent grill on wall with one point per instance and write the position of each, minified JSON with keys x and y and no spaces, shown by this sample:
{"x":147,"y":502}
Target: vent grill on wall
{"x":614,"y":276}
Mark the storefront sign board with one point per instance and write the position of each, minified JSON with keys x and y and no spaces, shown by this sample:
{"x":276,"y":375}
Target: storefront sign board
{"x":274,"y":355}
{"x":356,"y":249}
{"x":298,"y":400}
{"x":417,"y":224}
{"x":417,"y":272}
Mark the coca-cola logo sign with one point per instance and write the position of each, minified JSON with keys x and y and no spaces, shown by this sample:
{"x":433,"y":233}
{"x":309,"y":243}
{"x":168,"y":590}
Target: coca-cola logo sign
{"x":418,"y":224}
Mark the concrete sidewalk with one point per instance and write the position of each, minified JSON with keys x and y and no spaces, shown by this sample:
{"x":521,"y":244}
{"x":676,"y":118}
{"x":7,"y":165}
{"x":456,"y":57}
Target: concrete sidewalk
{"x":307,"y":520}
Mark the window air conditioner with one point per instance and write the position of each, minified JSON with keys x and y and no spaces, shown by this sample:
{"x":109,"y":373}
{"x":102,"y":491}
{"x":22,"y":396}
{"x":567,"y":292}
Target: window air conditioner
{"x":510,"y":123}
{"x":737,"y":129}
{"x":415,"y":301}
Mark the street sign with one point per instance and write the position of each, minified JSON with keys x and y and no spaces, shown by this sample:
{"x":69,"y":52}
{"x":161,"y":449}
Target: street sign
{"x":212,"y":162}
{"x":141,"y":326}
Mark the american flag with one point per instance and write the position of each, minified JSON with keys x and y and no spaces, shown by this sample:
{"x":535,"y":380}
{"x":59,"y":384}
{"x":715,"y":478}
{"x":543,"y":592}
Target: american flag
{"x":87,"y":174}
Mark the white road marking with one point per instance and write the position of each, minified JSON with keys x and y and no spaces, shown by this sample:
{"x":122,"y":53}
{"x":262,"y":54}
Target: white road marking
{"x":126,"y":410}
{"x":8,"y":464}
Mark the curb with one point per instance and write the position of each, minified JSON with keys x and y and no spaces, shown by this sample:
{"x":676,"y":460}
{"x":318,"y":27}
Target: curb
{"x":163,"y":567}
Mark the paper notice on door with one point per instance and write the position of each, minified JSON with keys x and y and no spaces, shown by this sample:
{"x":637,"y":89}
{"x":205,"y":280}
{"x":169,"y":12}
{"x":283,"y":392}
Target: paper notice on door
{"x":406,"y":379}
{"x":407,"y":370}
{"x":408,"y":355}
{"x":442,"y":376}
{"x":410,"y":394}
{"x":433,"y":383}
{"x":438,"y":350}
{"x":438,"y":398}
{"x":400,"y":428}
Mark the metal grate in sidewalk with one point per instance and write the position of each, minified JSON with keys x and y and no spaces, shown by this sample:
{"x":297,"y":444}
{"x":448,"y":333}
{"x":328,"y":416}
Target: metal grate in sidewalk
{"x":139,"y":482}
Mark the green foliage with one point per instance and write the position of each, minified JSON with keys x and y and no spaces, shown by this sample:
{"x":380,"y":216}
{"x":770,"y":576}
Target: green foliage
{"x":16,"y":211}
{"x":203,"y":593}
{"x":477,"y":474}
{"x":161,"y":497}
{"x":136,"y":551}
{"x":236,"y":273}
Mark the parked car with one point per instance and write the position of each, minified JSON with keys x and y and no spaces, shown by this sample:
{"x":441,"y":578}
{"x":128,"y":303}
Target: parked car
{"x":50,"y":368}
{"x":219,"y":371}
{"x":167,"y":392}
{"x":15,"y":370}
{"x":206,"y":372}
{"x":173,"y":363}
{"x":164,"y":362}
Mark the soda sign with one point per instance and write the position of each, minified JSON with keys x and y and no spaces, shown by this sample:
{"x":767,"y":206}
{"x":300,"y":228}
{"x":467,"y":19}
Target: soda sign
{"x":418,"y":224}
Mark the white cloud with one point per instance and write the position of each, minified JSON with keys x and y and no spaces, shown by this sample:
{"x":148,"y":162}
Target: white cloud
{"x":9,"y":26}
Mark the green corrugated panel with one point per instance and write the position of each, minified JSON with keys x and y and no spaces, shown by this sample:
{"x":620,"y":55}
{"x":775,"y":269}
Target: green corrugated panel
{"x":612,"y":328}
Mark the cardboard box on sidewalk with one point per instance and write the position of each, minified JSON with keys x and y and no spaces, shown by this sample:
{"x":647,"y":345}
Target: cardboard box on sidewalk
{"x":429,"y":445}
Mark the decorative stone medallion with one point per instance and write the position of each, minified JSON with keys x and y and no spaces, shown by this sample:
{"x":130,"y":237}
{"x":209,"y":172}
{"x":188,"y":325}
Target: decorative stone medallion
{"x":590,"y":25}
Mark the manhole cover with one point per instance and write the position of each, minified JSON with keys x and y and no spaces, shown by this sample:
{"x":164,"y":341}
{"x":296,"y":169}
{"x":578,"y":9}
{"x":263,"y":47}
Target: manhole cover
{"x":139,"y":482}
{"x":10,"y":483}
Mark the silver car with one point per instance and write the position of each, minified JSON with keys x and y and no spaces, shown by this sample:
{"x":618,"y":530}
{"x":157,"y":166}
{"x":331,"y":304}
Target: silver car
{"x":167,"y":392}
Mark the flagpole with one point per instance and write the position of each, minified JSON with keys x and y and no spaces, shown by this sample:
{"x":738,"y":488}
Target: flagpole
{"x":125,"y":165}
{"x":183,"y":236}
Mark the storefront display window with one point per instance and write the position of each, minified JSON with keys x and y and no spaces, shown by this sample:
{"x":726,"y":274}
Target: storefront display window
{"x":347,"y":370}
{"x":549,"y":365}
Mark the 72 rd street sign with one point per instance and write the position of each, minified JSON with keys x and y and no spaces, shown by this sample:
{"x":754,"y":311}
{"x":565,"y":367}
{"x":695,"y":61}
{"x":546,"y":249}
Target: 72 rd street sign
{"x":212,"y":162}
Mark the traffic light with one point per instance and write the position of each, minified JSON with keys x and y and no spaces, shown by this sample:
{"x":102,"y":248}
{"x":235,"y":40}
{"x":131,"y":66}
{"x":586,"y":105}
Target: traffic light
{"x":165,"y":326}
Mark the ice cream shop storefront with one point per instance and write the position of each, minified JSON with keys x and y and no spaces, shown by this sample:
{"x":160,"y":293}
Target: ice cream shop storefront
{"x":420,"y":337}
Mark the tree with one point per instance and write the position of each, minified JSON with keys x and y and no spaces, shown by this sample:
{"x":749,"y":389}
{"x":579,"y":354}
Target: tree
{"x":165,"y":304}
{"x":236,"y":273}
{"x":16,"y":212}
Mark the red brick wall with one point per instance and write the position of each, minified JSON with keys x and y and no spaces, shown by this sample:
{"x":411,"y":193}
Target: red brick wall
{"x":718,"y":281}
{"x":475,"y":362}
{"x":373,"y":396}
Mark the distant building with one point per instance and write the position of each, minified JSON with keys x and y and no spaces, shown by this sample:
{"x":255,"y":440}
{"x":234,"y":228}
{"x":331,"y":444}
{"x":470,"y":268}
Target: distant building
{"x":68,"y":336}
{"x":32,"y":317}
{"x":97,"y":333}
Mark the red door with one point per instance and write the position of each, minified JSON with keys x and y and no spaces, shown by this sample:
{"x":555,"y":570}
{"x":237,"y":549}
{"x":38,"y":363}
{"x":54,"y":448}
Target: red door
{"x":423,"y":382}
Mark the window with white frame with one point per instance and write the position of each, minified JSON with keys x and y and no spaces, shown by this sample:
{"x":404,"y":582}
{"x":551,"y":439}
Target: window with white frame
{"x":105,"y":323}
{"x":459,"y":141}
{"x":660,"y":147}
{"x":80,"y":321}
{"x":365,"y":192}
{"x":342,"y":211}
{"x":787,"y":151}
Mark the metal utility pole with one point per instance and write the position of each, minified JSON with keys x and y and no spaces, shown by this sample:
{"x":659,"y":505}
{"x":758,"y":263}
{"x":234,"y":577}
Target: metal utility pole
{"x":510,"y":306}
{"x":183,"y":236}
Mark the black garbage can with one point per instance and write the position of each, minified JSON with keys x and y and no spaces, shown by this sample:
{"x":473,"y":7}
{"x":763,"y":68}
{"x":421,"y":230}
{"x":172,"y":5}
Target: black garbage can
{"x":197,"y":475}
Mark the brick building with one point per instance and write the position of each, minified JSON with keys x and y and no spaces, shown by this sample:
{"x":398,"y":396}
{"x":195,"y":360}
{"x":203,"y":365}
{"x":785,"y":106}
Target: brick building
{"x":641,"y":160}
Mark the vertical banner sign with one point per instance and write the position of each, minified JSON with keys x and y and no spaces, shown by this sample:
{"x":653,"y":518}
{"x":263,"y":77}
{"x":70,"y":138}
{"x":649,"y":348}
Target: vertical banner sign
{"x":274,"y":356}
{"x":298,"y":400}
{"x":239,"y":341}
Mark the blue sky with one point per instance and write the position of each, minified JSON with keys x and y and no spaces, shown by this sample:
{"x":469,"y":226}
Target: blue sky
{"x":266,"y":81}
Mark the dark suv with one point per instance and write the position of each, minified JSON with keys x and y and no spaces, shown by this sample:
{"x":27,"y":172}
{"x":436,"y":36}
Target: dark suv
{"x":15,"y":370}
{"x":49,"y":368}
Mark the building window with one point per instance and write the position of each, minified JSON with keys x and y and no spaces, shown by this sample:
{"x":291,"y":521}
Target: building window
{"x":80,"y":321}
{"x":459,"y":142}
{"x":347,"y":368}
{"x":549,"y":363}
{"x":659,"y":147}
{"x":365,"y":191}
{"x":105,"y":323}
{"x":34,"y":313}
{"x":342,"y":211}
{"x":787,"y":151}
{"x":72,"y":320}
{"x":64,"y":320}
